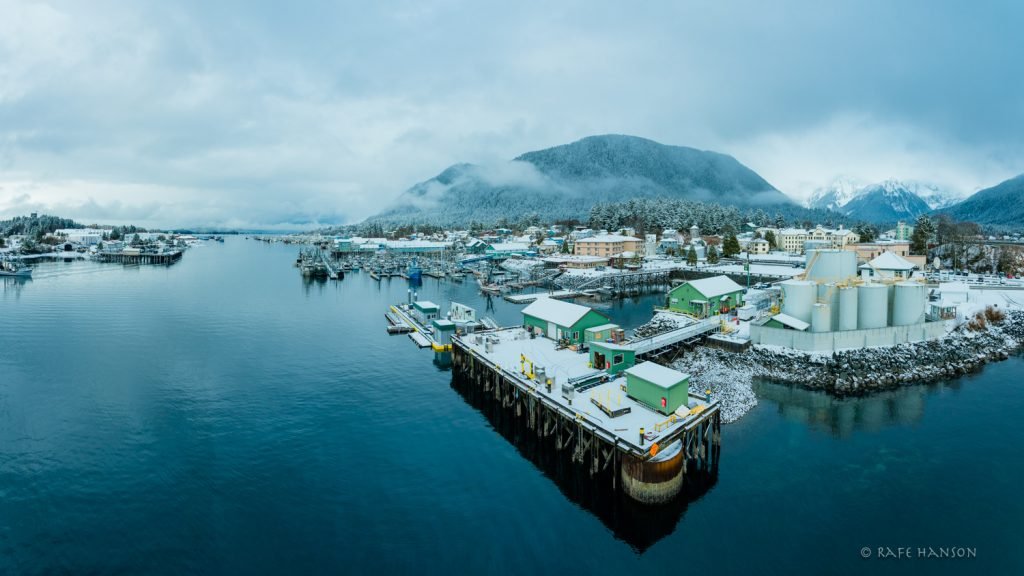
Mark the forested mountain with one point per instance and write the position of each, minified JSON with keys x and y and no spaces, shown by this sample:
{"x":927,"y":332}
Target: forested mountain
{"x":565,"y":182}
{"x":1000,"y":206}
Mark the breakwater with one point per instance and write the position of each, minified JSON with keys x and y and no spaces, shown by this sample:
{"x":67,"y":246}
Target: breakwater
{"x":850,"y":372}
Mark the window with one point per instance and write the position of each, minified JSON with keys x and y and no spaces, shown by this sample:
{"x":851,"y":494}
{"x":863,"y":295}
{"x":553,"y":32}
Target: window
{"x":617,"y":359}
{"x":576,"y":335}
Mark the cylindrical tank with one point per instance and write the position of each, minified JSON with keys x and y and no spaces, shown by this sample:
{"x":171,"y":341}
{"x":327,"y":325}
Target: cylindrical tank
{"x":908,"y":303}
{"x":847,"y":308}
{"x":798,"y":297}
{"x":829,"y":294}
{"x":847,"y":264}
{"x":872,"y":306}
{"x":821,"y":318}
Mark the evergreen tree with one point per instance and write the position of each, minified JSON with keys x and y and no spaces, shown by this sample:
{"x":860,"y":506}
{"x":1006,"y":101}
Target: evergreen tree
{"x":731,"y":246}
{"x":712,"y":254}
{"x":691,"y":256}
{"x":923,"y":230}
{"x":770,"y":237}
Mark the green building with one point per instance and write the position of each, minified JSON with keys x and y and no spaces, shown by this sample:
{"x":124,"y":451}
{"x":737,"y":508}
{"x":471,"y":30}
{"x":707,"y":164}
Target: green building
{"x":660,"y":388}
{"x":706,"y":297}
{"x":612,"y":358}
{"x":599,"y":333}
{"x":425,"y":311}
{"x":561,"y":320}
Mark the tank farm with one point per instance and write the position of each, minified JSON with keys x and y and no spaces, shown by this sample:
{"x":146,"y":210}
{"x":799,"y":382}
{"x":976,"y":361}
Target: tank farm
{"x":526,"y":411}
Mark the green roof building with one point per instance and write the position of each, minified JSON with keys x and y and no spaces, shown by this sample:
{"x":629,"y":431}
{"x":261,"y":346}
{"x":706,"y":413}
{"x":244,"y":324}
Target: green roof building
{"x":560,"y":320}
{"x":706,"y":297}
{"x":612,"y":358}
{"x":661,"y":389}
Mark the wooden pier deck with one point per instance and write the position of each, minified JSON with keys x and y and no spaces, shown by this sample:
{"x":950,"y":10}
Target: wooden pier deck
{"x":649,"y":453}
{"x":140,"y":258}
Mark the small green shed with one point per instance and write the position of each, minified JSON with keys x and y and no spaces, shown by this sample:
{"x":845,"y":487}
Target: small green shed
{"x":599,"y":333}
{"x":660,"y":388}
{"x":706,"y":297}
{"x":425,"y":311}
{"x":560,"y":320}
{"x":612,"y":358}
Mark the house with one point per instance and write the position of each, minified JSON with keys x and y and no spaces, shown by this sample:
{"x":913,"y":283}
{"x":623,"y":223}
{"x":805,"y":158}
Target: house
{"x":706,"y":297}
{"x":560,"y":320}
{"x":505,"y":249}
{"x":889,"y":265}
{"x":660,"y":388}
{"x":758,"y":246}
{"x":425,"y":311}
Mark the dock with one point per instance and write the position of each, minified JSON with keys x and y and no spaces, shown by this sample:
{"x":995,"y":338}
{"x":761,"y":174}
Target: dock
{"x":140,"y":257}
{"x":557,"y":294}
{"x":588,"y":415}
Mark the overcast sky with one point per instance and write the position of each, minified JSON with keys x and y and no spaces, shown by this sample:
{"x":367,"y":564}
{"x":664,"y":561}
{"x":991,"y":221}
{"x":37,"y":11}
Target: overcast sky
{"x":278,"y":114}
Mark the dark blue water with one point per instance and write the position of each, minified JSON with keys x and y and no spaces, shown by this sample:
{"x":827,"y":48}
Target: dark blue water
{"x":224,"y":416}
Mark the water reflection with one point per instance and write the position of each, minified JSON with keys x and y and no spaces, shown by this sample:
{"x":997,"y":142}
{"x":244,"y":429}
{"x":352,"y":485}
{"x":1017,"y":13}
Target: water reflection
{"x":638,"y":525}
{"x":842,"y":416}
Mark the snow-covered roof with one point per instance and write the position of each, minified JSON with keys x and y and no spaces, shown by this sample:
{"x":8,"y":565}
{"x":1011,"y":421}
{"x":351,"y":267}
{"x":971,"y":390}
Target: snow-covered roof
{"x":794,"y":323}
{"x":426,"y":305}
{"x":509,"y":246}
{"x":890,"y":261}
{"x":552,"y":310}
{"x":657,"y":374}
{"x":609,"y":238}
{"x":715,"y":286}
{"x":566,"y":258}
{"x":602,"y":328}
{"x":792,"y":231}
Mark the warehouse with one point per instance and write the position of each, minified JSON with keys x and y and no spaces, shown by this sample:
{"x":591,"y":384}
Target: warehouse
{"x":706,"y":297}
{"x":561,"y":320}
{"x":660,"y":388}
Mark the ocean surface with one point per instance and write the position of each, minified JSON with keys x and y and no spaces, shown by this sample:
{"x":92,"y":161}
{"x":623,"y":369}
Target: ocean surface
{"x":224,"y":416}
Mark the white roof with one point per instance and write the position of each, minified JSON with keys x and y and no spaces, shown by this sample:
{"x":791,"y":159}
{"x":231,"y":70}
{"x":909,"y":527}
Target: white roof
{"x":610,"y":238}
{"x":561,"y":313}
{"x":424,"y":304}
{"x":602,"y":328}
{"x":657,"y":374}
{"x":792,"y":322}
{"x":890,"y":261}
{"x":715,"y":286}
{"x":510,"y":246}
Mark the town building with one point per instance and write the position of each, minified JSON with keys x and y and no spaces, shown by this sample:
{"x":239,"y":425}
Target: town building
{"x":560,"y":320}
{"x":706,"y":297}
{"x":608,"y":246}
{"x":793,"y":240}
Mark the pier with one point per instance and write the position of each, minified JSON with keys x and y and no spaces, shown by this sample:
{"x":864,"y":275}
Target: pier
{"x":588,"y":415}
{"x":140,"y":257}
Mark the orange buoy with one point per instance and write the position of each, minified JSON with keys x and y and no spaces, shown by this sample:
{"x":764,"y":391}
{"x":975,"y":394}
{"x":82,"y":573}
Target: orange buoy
{"x":654,"y":449}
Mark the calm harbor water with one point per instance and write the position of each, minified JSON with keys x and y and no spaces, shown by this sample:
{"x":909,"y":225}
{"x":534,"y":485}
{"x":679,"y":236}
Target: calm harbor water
{"x":225,"y":416}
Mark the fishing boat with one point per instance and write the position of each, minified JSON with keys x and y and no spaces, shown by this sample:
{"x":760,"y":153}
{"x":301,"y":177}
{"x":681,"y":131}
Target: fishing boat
{"x":14,"y":268}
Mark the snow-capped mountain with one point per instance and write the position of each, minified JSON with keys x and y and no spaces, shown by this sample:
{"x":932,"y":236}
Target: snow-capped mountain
{"x":836,"y":195}
{"x":883,"y":202}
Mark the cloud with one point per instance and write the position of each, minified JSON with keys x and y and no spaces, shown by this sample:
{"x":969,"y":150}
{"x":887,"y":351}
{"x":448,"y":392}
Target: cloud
{"x":191,"y":113}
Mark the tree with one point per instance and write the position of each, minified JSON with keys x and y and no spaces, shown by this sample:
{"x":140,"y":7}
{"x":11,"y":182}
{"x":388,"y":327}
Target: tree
{"x":770,"y":237}
{"x":136,"y":240}
{"x":731,"y":246}
{"x":866,"y":232}
{"x":691,"y":256}
{"x":712,"y":254}
{"x":923,"y":230}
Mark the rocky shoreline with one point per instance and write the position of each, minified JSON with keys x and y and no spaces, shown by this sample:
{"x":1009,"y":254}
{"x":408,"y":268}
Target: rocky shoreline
{"x":730,"y":375}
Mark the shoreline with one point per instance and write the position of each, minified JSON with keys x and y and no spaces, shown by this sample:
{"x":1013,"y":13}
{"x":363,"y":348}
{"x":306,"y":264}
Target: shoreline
{"x":858,"y":372}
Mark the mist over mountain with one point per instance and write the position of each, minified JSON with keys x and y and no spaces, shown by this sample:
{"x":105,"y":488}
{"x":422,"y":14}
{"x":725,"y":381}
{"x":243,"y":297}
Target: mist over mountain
{"x":566,"y":181}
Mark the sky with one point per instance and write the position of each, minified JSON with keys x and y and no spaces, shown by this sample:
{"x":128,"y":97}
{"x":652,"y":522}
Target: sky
{"x":275,"y":115}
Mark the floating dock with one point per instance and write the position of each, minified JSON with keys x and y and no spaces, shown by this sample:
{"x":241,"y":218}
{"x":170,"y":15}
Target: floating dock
{"x":140,"y":258}
{"x":588,"y":413}
{"x":558,"y":295}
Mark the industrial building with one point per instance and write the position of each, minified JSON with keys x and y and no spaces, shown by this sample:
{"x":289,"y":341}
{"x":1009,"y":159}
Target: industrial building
{"x":706,"y":297}
{"x":831,"y":306}
{"x":560,"y":320}
{"x":657,"y":387}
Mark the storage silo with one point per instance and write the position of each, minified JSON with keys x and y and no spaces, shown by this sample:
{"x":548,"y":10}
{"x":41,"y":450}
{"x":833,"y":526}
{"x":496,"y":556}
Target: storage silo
{"x":829,"y":294}
{"x":847,"y":264}
{"x":821,"y":265}
{"x":821,"y":318}
{"x":847,"y":308}
{"x":798,"y":297}
{"x":908,"y":303}
{"x":872,"y":306}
